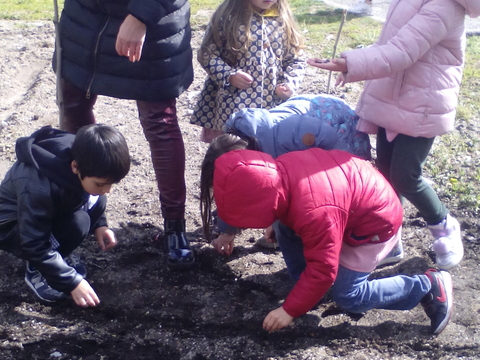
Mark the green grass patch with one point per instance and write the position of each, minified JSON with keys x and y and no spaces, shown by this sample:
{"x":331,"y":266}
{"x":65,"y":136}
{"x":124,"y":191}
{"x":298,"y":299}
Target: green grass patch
{"x":28,"y":9}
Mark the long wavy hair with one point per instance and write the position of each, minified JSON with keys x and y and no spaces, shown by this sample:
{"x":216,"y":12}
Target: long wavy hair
{"x":231,"y":14}
{"x":219,"y":146}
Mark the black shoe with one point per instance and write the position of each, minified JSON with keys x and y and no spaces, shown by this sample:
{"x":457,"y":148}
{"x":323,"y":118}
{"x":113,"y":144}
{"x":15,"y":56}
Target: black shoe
{"x":38,"y":284}
{"x":438,"y":303}
{"x":179,"y":254}
{"x":74,"y":261}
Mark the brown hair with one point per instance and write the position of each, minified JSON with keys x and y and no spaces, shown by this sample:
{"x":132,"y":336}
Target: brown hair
{"x":219,"y":146}
{"x":230,"y":15}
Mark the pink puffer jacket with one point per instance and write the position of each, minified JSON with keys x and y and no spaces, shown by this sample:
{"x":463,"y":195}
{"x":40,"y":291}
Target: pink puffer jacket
{"x":327,"y":197}
{"x":414,"y":69}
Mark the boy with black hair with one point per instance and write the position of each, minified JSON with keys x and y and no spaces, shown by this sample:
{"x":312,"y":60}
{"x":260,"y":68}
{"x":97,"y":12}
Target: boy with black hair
{"x":53,"y":197}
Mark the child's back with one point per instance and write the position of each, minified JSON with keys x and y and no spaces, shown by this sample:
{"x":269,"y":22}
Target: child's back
{"x":38,"y":184}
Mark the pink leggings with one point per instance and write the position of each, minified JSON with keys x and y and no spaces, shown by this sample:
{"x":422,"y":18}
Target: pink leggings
{"x":160,"y":126}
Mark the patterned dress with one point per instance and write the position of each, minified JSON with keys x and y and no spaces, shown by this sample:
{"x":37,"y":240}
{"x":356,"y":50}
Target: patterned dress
{"x":267,"y":60}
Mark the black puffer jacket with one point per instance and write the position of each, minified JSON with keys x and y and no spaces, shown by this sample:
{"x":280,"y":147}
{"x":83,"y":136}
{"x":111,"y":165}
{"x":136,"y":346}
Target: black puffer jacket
{"x":39,"y":188}
{"x":89,"y":30}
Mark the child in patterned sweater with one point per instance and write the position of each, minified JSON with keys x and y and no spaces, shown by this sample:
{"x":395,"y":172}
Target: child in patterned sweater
{"x":253,"y":56}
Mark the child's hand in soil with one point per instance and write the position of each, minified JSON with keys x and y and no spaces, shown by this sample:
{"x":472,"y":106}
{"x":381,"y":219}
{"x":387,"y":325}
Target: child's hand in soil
{"x":276,"y":320}
{"x":224,"y":244}
{"x":84,"y":295}
{"x":105,"y":237}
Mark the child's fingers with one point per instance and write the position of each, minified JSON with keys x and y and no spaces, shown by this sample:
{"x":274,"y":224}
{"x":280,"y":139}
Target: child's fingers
{"x":92,"y":299}
{"x":101,"y":244}
{"x":246,"y":77}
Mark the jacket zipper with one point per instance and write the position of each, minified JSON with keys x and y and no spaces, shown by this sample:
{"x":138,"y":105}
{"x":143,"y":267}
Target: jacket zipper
{"x":87,"y":95}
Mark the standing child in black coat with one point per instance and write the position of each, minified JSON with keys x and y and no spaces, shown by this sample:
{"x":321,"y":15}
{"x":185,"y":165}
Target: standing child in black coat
{"x":53,"y":197}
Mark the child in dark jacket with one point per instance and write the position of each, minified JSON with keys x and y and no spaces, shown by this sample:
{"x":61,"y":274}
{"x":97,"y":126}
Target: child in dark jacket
{"x":335,"y":218}
{"x":53,"y":197}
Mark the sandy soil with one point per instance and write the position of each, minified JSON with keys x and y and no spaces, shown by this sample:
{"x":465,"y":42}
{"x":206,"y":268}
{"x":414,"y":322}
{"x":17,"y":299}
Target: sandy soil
{"x":214,"y":311}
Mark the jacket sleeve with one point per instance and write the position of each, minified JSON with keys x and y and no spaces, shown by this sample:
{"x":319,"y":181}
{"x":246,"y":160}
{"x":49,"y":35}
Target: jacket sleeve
{"x":210,"y":58}
{"x":322,"y":240}
{"x":423,"y":31}
{"x":293,"y":69}
{"x":36,"y":214}
{"x":150,"y":12}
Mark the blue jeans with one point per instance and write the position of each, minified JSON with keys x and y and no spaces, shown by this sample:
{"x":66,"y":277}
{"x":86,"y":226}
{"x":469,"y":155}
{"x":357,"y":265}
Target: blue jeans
{"x":352,"y":290}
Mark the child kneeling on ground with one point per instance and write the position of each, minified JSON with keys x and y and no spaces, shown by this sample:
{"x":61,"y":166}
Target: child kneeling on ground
{"x":335,"y":218}
{"x":53,"y":197}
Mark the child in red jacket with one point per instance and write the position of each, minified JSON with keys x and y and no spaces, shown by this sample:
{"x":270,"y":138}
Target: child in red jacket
{"x":335,"y":218}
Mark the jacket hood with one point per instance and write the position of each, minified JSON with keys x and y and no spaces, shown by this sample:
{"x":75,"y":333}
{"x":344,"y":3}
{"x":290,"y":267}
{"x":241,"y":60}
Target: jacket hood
{"x":259,"y":123}
{"x":254,"y":123}
{"x":48,"y":151}
{"x":472,"y":7}
{"x":247,"y":188}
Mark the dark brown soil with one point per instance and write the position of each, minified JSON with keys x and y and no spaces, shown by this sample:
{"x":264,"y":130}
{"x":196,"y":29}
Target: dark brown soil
{"x":216,"y":310}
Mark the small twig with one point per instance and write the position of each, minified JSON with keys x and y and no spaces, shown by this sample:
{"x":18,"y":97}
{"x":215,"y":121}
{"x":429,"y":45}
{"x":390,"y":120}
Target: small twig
{"x":335,"y":46}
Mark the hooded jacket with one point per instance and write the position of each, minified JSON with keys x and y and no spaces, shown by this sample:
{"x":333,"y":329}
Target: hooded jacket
{"x":414,"y":69}
{"x":300,"y":123}
{"x":88,"y":32}
{"x":326,"y":197}
{"x":39,"y":188}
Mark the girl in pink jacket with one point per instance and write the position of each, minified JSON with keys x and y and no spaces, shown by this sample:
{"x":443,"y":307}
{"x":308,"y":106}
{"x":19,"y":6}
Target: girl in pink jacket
{"x":335,"y":218}
{"x":414,"y":72}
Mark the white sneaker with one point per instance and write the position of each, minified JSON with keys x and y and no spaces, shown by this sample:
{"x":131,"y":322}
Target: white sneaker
{"x":361,"y":9}
{"x":447,"y":244}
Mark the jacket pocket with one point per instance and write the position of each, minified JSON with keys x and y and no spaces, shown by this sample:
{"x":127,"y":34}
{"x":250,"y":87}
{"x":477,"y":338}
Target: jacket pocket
{"x":398,"y":86}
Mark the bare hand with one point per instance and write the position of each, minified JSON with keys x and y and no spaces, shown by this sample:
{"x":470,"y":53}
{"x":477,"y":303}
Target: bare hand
{"x":130,"y":38}
{"x":283,"y":91}
{"x":339,"y":64}
{"x":241,"y":80}
{"x":276,"y":320}
{"x":105,"y":237}
{"x":270,"y":235}
{"x":224,"y":244}
{"x":84,"y":295}
{"x":341,"y":80}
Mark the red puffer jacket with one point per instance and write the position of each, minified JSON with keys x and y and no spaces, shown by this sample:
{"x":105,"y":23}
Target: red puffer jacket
{"x":324,"y":196}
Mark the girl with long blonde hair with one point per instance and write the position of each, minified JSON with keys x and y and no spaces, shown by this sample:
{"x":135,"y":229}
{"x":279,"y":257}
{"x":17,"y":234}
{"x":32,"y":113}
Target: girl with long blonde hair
{"x":252,"y":52}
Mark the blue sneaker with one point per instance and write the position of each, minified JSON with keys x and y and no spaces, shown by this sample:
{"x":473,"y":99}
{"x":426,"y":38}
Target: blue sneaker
{"x":74,"y":261}
{"x":438,"y":303}
{"x":38,"y":284}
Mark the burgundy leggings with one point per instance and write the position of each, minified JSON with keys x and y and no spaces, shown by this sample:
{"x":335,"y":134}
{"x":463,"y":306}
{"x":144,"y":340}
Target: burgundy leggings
{"x":160,"y":126}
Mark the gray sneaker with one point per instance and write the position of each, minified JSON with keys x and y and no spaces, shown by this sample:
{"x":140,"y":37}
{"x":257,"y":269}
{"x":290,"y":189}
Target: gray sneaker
{"x":263,"y":243}
{"x":394,"y":256}
{"x":38,"y":284}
